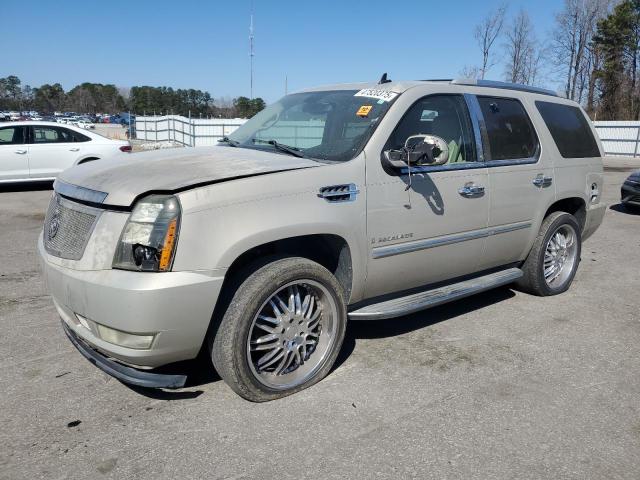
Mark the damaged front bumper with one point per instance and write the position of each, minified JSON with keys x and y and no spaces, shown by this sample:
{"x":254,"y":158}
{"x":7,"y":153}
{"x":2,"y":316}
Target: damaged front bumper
{"x":106,"y":313}
{"x":123,"y":373}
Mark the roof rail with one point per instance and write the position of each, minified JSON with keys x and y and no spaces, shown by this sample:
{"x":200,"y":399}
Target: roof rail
{"x":505,"y":85}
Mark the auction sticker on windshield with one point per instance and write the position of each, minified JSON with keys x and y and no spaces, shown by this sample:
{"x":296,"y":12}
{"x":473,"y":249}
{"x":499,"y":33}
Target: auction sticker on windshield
{"x":364,"y":110}
{"x":384,"y":95}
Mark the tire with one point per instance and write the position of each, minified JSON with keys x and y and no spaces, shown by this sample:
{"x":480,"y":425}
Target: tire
{"x":534,"y":280}
{"x":311,"y":307}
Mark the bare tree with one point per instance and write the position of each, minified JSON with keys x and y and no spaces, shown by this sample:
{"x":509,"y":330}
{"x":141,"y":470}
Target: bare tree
{"x":486,"y":34}
{"x":470,"y":72}
{"x":571,"y":43}
{"x":523,"y":56}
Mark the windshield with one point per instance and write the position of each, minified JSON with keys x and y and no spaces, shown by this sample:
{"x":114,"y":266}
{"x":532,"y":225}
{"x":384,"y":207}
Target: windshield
{"x":330,"y":125}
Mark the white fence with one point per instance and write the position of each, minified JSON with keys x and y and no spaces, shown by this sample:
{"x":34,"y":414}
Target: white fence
{"x":194,"y":132}
{"x":619,"y":138}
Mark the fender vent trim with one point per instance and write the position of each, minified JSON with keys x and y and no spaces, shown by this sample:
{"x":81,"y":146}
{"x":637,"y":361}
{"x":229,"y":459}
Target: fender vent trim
{"x":339,"y":193}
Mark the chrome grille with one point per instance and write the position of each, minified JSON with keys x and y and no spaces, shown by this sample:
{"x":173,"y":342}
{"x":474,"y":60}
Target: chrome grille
{"x":67,"y":227}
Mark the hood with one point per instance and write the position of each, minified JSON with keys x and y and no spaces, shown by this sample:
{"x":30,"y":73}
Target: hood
{"x":126,"y":178}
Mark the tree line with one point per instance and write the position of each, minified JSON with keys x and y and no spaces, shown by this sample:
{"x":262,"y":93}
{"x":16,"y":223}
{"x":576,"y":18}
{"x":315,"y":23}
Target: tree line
{"x":100,"y":98}
{"x":592,"y":54}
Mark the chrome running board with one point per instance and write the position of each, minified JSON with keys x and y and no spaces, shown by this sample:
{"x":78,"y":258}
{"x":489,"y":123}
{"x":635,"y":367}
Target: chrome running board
{"x":432,"y":298}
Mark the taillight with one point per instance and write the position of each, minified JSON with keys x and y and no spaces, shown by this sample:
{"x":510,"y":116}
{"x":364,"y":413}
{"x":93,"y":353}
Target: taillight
{"x":125,"y":148}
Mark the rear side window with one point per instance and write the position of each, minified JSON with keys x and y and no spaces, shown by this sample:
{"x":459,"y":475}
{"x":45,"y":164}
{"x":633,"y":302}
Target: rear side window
{"x":46,"y":134}
{"x":76,"y":136}
{"x":569,"y":129}
{"x":511,"y":135}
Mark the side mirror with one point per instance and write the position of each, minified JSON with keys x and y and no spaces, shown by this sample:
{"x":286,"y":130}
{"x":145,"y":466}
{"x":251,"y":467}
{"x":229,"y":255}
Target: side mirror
{"x":426,"y":150}
{"x":419,"y":150}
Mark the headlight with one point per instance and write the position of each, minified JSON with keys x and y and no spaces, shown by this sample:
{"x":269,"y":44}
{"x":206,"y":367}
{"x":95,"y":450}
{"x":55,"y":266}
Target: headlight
{"x":150,"y":235}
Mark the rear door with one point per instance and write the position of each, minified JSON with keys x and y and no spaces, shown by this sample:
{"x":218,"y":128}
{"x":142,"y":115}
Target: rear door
{"x":520,"y":179}
{"x":52,"y":149}
{"x":14,"y":153}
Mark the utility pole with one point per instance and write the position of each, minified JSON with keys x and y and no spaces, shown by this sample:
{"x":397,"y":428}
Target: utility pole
{"x":286,"y":86}
{"x":251,"y":53}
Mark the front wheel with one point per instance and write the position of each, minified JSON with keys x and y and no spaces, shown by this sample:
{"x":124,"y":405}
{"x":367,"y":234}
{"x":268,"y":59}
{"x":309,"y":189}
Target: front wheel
{"x":282,"y":330}
{"x":553,"y":261}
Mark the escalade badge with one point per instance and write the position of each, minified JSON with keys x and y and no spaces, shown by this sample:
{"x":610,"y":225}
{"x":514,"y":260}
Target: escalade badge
{"x":54,"y":224}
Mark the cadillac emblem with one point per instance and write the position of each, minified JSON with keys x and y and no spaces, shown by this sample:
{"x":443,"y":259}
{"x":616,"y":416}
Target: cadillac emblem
{"x":54,"y":224}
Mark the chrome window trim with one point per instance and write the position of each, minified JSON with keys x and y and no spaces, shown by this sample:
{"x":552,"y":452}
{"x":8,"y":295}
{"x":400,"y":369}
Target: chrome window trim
{"x":477,"y":120}
{"x":79,"y":193}
{"x":408,"y":247}
{"x":517,"y":161}
{"x":444,"y":168}
{"x":472,"y":165}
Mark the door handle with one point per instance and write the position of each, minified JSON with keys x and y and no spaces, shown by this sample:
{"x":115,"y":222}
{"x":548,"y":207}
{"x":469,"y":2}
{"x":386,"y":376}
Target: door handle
{"x":471,"y":190}
{"x":21,"y":151}
{"x":74,"y":149}
{"x":542,"y":181}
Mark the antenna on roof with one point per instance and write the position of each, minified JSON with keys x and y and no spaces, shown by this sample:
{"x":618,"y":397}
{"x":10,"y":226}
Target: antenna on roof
{"x":251,"y":53}
{"x":383,"y":79}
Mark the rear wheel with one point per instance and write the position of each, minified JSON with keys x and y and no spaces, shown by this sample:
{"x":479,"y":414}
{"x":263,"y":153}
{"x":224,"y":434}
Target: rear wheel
{"x":282,"y":330}
{"x":553,"y":261}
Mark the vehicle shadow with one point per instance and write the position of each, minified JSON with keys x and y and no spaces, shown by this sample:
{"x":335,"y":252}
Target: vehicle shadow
{"x":621,"y":208}
{"x":200,"y":371}
{"x":368,"y":329}
{"x":26,"y":186}
{"x":422,"y":184}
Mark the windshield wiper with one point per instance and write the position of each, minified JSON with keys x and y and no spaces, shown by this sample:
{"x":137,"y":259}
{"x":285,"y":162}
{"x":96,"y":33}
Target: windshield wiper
{"x":282,"y":147}
{"x":228,"y":141}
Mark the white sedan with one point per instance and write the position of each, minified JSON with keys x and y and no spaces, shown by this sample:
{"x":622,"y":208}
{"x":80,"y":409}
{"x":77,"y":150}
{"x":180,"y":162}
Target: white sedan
{"x":31,"y":151}
{"x":86,"y":124}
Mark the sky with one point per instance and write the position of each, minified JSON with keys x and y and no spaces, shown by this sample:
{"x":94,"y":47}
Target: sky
{"x":205,"y":44}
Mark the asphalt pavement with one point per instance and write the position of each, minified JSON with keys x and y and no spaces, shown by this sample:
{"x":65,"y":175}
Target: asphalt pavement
{"x":500,"y":385}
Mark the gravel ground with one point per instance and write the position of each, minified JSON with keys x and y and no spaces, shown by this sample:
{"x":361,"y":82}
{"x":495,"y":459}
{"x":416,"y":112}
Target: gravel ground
{"x":500,"y":385}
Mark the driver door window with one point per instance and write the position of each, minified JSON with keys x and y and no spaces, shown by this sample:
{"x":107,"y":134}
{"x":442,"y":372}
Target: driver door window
{"x":444,"y":116}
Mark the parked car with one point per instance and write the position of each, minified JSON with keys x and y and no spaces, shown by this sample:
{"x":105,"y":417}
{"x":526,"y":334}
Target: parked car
{"x":630,"y":191}
{"x":31,"y":151}
{"x":349,"y":202}
{"x":86,"y":124}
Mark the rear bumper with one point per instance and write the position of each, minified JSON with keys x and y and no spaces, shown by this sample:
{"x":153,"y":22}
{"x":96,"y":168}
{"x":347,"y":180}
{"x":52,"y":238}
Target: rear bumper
{"x":593,"y":220}
{"x":175,"y":307}
{"x":125,"y":374}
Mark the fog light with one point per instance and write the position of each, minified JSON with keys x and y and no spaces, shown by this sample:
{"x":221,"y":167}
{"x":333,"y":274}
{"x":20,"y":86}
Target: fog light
{"x":124,"y":339}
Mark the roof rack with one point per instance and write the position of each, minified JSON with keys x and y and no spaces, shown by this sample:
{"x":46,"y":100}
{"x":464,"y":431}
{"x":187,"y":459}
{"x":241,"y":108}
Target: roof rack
{"x":494,"y":84}
{"x":505,"y":85}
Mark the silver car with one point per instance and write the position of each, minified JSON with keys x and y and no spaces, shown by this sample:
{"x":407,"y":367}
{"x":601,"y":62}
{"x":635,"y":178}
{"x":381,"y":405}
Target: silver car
{"x":347,"y":202}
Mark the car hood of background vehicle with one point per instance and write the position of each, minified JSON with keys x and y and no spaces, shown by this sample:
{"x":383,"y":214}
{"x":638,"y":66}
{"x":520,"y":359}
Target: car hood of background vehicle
{"x":125,"y":179}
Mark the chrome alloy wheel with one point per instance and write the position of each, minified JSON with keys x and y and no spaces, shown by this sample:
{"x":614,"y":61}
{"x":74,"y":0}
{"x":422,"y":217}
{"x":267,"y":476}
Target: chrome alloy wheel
{"x":291,"y":334}
{"x":560,"y":256}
